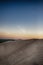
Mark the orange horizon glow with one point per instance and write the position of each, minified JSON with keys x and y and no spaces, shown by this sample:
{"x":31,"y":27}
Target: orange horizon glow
{"x":20,"y":36}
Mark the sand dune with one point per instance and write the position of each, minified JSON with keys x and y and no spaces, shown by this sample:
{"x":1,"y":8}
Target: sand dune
{"x":22,"y":52}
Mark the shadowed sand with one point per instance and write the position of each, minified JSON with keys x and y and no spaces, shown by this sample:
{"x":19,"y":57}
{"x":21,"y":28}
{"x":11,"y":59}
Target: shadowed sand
{"x":22,"y":52}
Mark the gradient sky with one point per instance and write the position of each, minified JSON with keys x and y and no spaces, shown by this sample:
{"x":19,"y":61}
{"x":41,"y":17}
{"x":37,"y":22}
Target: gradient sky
{"x":21,"y":20}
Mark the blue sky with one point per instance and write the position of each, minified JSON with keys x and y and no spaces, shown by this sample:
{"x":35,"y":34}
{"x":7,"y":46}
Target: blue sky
{"x":21,"y":18}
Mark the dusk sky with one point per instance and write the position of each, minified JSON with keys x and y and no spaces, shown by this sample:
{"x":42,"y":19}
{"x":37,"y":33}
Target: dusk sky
{"x":22,"y":20}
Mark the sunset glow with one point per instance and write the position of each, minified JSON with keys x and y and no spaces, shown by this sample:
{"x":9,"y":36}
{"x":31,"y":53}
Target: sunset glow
{"x":21,"y":20}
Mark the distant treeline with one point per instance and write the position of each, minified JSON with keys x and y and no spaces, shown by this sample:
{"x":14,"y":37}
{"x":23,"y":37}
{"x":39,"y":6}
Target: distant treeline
{"x":4,"y":40}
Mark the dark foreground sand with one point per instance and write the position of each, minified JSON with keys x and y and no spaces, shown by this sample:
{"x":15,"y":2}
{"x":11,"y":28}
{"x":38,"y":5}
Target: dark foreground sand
{"x":22,"y":52}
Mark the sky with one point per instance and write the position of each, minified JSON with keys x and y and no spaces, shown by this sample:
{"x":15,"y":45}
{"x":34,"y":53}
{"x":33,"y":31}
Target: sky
{"x":21,"y":20}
